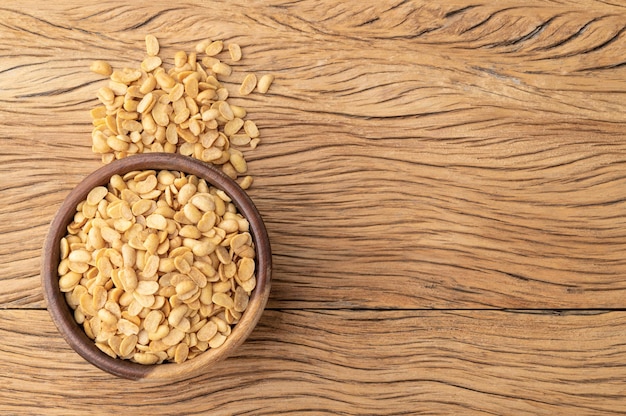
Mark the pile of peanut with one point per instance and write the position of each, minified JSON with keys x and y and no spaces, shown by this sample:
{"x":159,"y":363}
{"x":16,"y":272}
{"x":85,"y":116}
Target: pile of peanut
{"x":157,"y":266}
{"x":184,"y":109}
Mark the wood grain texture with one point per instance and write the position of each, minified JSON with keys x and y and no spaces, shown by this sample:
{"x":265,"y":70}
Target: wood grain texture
{"x":453,"y":156}
{"x":323,"y":362}
{"x":423,"y":168}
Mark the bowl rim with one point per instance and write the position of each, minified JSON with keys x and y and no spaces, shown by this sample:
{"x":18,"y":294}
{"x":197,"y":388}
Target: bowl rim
{"x":62,"y":315}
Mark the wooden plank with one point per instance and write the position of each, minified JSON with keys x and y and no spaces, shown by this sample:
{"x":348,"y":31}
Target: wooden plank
{"x":416,"y":156}
{"x":346,"y":362}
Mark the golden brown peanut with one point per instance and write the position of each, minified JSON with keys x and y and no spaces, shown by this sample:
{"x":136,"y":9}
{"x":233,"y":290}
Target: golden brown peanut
{"x":188,"y":83}
{"x":251,"y":129}
{"x":235,"y":52}
{"x":202,"y":45}
{"x":207,"y":332}
{"x":152,"y":45}
{"x":222,"y":69}
{"x":101,"y":68}
{"x":214,"y":48}
{"x":248,"y":84}
{"x":233,"y":126}
{"x":180,"y":59}
{"x":264,"y":83}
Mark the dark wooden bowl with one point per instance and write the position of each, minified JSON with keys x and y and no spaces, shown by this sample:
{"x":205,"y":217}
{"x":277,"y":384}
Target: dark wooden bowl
{"x":62,"y":315}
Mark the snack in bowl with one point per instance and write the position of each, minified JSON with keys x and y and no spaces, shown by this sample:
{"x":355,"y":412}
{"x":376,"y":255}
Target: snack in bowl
{"x":156,"y":258}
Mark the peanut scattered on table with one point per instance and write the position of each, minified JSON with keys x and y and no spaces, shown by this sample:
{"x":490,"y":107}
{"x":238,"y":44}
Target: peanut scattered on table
{"x":157,"y":266}
{"x":184,"y":109}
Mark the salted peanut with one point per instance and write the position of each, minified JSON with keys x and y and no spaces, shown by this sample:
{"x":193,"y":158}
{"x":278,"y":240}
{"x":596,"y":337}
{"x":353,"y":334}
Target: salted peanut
{"x":222,"y":69}
{"x":165,"y":81}
{"x":181,"y":353}
{"x":177,"y":314}
{"x":229,"y":225}
{"x":240,"y":299}
{"x":113,"y":306}
{"x":99,"y":297}
{"x":192,"y":213}
{"x":151,"y":266}
{"x":211,"y":154}
{"x":174,"y":337}
{"x":80,"y":256}
{"x":118,"y":88}
{"x":126,"y":75}
{"x":161,"y":331}
{"x":105,"y":348}
{"x":64,"y":248}
{"x":249,"y":284}
{"x":214,"y":48}
{"x":175,"y":94}
{"x":222,"y":94}
{"x":146,"y":185}
{"x":127,"y":280}
{"x":69,"y":281}
{"x":264,"y":83}
{"x":217,"y":341}
{"x":186,"y":287}
{"x":160,"y":113}
{"x":148,"y":84}
{"x":206,"y":97}
{"x":235,"y":52}
{"x":246,"y":182}
{"x":251,"y":129}
{"x":180,"y":59}
{"x":202,"y":45}
{"x":233,"y":126}
{"x":143,"y":206}
{"x":132,"y":126}
{"x":106,"y":95}
{"x":225,"y":110}
{"x":222,"y":299}
{"x":107,"y":318}
{"x":147,"y":103}
{"x":98,"y":114}
{"x":146,"y":358}
{"x":208,"y":331}
{"x":127,"y":345}
{"x":101,"y":68}
{"x":245,"y":269}
{"x":152,"y":45}
{"x":182,"y":116}
{"x":186,"y":192}
{"x":240,"y":240}
{"x":152,"y":321}
{"x":195,"y":126}
{"x":144,"y":301}
{"x":147,"y":287}
{"x":151,"y":245}
{"x":190,"y":232}
{"x":156,"y":221}
{"x":223,"y":254}
{"x":248,"y":84}
{"x":191,"y":86}
{"x":238,"y":162}
{"x":203,"y":201}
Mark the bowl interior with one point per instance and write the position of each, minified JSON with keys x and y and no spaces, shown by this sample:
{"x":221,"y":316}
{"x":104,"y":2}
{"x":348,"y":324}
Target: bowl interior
{"x":62,"y":315}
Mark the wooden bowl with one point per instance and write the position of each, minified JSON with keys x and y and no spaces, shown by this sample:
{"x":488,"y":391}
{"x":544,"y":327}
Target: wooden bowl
{"x":63,"y":316}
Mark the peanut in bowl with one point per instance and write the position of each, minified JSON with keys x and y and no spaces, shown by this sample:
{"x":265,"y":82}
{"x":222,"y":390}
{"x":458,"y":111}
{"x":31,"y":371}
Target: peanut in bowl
{"x":156,"y":266}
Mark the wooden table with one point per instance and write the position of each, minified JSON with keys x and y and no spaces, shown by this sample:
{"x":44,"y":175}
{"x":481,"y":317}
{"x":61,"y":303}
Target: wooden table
{"x":444,"y":187}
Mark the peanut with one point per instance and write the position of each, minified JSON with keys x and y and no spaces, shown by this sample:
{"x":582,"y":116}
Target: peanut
{"x":155,"y":107}
{"x":153,"y":278}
